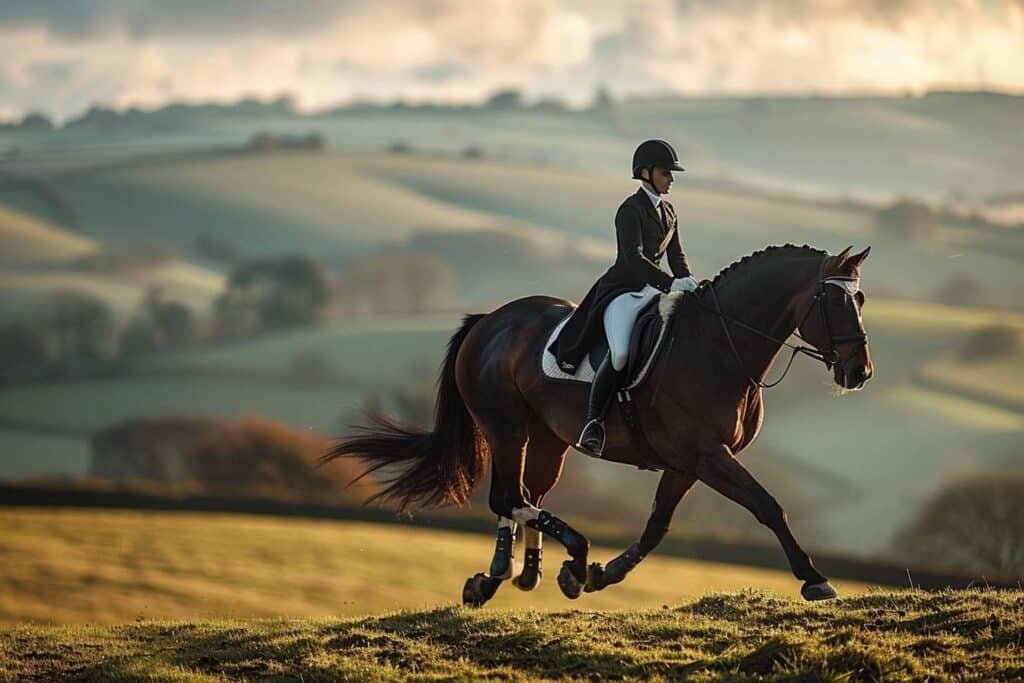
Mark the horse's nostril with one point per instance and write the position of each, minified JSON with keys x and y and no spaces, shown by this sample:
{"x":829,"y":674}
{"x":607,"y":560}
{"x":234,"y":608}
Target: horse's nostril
{"x":858,"y":376}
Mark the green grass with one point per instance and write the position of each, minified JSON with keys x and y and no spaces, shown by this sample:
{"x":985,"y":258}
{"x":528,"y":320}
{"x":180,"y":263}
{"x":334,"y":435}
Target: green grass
{"x":904,"y":636}
{"x":74,"y":566}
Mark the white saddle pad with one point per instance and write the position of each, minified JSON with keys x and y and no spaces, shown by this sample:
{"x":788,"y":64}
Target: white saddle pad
{"x":585,"y":372}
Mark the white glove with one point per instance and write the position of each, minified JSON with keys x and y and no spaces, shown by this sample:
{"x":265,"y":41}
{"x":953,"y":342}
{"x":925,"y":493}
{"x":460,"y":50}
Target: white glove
{"x":684,"y":284}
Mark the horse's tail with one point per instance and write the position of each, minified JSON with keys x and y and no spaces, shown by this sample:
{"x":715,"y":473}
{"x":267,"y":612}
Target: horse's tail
{"x":441,"y":467}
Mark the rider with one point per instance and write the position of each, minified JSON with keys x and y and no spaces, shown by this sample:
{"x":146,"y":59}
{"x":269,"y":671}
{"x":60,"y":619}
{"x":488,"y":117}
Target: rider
{"x":645,"y":230}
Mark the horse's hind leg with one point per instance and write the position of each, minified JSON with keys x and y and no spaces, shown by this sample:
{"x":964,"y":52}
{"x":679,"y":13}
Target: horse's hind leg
{"x":545,"y":455}
{"x":481,"y":587}
{"x":508,"y":462}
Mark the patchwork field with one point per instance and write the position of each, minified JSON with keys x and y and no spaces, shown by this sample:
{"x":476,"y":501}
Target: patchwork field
{"x":69,"y":566}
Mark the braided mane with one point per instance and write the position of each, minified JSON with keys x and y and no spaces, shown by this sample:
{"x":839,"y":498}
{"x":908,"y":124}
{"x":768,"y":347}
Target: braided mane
{"x":775,"y":249}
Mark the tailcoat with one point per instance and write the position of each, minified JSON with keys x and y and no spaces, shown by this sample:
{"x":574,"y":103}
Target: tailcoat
{"x":639,"y":232}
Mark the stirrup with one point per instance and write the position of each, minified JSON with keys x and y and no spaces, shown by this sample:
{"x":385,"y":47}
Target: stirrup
{"x":579,"y":442}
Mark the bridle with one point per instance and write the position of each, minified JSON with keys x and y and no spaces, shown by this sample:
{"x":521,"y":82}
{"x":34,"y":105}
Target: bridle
{"x":830,"y":358}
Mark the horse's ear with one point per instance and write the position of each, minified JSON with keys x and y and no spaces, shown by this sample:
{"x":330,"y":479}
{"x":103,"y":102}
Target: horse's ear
{"x":852,"y":264}
{"x":839,"y":260}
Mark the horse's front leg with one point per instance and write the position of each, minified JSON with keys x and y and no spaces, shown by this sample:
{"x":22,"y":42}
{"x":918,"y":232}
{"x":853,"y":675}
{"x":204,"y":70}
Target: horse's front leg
{"x":721,"y":471}
{"x":671,"y":489}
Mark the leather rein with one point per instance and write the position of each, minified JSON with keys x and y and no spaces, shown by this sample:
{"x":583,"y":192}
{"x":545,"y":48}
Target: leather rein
{"x":821,"y":298}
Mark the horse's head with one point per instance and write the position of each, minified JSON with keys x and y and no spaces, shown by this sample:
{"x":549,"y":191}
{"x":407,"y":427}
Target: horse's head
{"x":833,"y":323}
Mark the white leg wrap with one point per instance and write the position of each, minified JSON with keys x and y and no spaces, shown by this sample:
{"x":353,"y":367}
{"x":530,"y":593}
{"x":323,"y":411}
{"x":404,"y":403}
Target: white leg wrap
{"x":506,"y":523}
{"x":525,"y":514}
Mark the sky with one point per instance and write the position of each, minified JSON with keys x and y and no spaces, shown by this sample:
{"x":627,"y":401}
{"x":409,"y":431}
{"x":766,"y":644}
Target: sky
{"x":61,"y":56}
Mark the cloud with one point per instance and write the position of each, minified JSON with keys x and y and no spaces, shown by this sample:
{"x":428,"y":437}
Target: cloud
{"x":84,"y":19}
{"x":62,"y":56}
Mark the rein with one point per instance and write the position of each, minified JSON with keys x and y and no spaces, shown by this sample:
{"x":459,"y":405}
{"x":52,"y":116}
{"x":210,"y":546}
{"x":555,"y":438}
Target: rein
{"x":820,"y":298}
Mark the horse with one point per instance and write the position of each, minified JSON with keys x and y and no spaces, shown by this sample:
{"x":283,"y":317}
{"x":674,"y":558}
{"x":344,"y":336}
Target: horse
{"x":495,"y":406}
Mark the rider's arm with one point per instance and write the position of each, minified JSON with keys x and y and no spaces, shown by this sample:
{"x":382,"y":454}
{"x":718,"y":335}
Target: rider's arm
{"x":628,"y":236}
{"x":676,"y":257}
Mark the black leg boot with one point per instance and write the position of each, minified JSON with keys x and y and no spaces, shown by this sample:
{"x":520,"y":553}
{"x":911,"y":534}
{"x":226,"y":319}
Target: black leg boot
{"x":606,"y":381}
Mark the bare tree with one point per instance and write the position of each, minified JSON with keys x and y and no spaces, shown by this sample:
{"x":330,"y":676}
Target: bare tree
{"x":973,"y":524}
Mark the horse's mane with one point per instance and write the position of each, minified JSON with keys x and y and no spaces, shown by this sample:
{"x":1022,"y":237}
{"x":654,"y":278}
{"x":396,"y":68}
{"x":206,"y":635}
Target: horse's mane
{"x":774,"y":250}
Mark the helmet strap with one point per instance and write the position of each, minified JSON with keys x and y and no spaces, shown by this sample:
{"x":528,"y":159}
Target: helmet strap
{"x":650,"y":180}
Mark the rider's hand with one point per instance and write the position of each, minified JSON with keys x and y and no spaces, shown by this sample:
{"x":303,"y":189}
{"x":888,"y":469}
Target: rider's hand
{"x":684,"y":284}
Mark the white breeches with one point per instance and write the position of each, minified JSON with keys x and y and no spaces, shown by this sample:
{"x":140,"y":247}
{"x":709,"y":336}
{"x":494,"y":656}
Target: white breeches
{"x":619,"y":317}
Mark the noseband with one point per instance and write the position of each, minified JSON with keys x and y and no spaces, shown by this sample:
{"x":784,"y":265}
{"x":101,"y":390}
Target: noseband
{"x":830,"y":358}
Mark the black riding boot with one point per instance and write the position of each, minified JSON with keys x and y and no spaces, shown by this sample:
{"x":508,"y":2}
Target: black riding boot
{"x":606,"y":381}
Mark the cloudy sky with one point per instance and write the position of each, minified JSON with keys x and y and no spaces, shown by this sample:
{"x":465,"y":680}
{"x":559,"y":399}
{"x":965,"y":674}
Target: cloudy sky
{"x":60,"y":56}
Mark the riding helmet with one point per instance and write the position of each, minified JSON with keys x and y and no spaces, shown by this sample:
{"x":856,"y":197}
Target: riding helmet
{"x":656,"y":153}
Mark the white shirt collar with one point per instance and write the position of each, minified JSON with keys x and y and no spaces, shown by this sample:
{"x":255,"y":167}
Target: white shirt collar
{"x":655,"y":198}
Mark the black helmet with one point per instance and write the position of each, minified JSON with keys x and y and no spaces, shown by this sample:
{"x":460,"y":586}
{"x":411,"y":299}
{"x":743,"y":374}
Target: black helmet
{"x":657,"y":153}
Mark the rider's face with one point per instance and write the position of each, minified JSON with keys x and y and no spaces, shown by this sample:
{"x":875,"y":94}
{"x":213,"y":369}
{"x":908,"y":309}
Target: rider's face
{"x":662,"y":180}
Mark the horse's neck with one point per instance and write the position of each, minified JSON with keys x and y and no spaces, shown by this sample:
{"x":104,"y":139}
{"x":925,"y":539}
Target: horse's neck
{"x":768,"y":299}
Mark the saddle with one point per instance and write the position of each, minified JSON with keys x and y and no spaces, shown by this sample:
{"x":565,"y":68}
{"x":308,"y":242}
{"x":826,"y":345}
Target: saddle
{"x":646,"y":341}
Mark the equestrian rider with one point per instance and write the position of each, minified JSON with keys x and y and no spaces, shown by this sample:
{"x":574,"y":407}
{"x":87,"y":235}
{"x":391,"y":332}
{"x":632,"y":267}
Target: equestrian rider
{"x":645,"y":230}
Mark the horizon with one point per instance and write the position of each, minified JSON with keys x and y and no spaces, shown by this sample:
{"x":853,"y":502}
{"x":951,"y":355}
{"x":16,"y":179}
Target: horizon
{"x":475,"y":103}
{"x":141,"y":53}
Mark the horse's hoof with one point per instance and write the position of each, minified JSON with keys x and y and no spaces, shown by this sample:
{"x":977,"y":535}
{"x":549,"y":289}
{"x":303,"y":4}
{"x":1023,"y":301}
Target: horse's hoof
{"x":567,"y":581}
{"x":478,"y":589}
{"x":527,"y":583}
{"x":818,"y":591}
{"x":510,"y":569}
{"x":595,"y":578}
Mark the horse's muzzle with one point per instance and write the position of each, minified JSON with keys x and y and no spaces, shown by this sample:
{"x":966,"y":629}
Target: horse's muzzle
{"x":857,"y":377}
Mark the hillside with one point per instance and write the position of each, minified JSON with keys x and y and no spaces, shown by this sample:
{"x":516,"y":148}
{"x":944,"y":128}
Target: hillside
{"x":338,"y":205}
{"x":28,"y":239}
{"x":39,"y":259}
{"x":116,"y":566}
{"x":891,"y":636}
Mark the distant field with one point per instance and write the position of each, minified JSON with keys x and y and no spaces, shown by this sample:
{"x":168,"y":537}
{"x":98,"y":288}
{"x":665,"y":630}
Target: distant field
{"x":37,"y":261}
{"x":27,"y":239}
{"x":337,"y":205}
{"x":881,"y":636}
{"x":97,"y":403}
{"x":374,"y":349}
{"x":67,"y":566}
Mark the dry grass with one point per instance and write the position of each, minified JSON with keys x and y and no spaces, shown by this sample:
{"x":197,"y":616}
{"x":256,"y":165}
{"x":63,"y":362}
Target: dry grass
{"x":65,"y":566}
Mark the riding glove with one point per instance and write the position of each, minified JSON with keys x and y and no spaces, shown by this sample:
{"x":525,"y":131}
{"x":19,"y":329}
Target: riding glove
{"x":684,"y":284}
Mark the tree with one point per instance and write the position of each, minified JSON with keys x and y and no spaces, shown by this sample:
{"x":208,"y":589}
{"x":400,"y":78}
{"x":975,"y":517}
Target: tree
{"x":972,"y":524}
{"x":989,"y":343}
{"x":22,"y":352}
{"x":961,"y":289}
{"x":277,"y":292}
{"x":256,"y":456}
{"x":907,"y":220}
{"x":83,"y":326}
{"x":408,"y":282}
{"x":506,"y":99}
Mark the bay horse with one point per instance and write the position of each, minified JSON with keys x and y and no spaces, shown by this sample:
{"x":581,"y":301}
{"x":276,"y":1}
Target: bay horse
{"x":704,"y":405}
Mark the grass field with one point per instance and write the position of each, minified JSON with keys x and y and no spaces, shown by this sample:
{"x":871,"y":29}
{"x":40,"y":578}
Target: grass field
{"x":747,"y":636}
{"x":68,"y":566}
